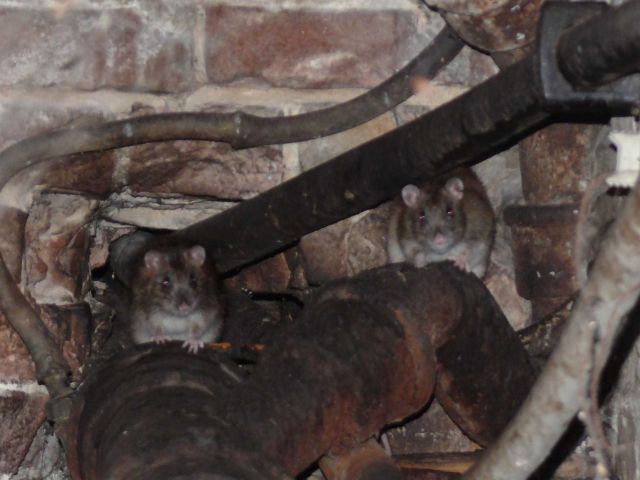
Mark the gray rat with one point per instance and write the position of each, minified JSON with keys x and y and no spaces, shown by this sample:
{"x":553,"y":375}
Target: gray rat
{"x":175,"y":295}
{"x":447,"y":218}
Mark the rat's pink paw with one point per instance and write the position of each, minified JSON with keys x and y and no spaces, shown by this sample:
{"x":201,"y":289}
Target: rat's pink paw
{"x":462,"y":262}
{"x":192,"y":345}
{"x":160,"y":339}
{"x":420,"y":260}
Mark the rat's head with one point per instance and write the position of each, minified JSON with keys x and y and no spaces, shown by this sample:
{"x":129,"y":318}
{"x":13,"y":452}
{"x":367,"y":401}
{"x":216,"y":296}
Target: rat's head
{"x":437,"y":220}
{"x":178,"y":278}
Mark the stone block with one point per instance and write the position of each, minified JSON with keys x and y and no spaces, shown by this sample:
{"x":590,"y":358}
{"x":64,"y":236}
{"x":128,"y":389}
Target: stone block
{"x":21,"y":414}
{"x":22,"y":118}
{"x":45,"y":458}
{"x":83,"y":173}
{"x":209,"y":169}
{"x":324,"y":253}
{"x":204,"y":169}
{"x":15,"y":362}
{"x":90,"y":173}
{"x":95,"y":47}
{"x":57,"y":248}
{"x":301,"y":48}
{"x":501,"y":283}
{"x":106,"y":233}
{"x":160,"y":212}
{"x":70,"y":325}
{"x":346,"y":248}
{"x":270,"y":275}
{"x":12,"y":239}
{"x":430,"y":432}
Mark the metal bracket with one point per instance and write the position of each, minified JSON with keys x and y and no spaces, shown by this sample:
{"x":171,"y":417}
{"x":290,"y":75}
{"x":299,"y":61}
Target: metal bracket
{"x":620,"y":97}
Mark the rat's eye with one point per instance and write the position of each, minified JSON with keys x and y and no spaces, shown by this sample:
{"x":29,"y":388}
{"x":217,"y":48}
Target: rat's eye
{"x":422,"y":219}
{"x":193,"y":281}
{"x":165,"y":282}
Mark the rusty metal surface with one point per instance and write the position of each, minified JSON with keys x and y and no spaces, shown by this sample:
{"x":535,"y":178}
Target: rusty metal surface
{"x":347,"y":367}
{"x":476,"y":348}
{"x":151,"y":413}
{"x":543,"y":244}
{"x":359,"y":357}
{"x":365,"y":462}
{"x":554,"y":162}
{"x":477,"y":351}
{"x":509,"y":26}
{"x":544,"y":216}
{"x":337,"y":376}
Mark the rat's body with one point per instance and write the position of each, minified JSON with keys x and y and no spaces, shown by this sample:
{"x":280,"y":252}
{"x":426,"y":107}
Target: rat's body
{"x":175,"y":296}
{"x":447,"y":218}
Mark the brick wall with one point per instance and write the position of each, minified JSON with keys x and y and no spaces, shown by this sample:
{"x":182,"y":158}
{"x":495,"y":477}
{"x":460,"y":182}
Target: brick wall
{"x":66,"y":63}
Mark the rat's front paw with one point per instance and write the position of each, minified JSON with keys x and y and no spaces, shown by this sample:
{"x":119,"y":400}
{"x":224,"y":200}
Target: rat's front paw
{"x":192,"y":345}
{"x":160,"y":339}
{"x":462,"y":262}
{"x":420,"y":260}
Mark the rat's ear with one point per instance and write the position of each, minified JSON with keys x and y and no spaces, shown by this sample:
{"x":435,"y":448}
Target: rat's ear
{"x":197,"y":254}
{"x":411,"y":196}
{"x":153,"y":259}
{"x":454,"y":188}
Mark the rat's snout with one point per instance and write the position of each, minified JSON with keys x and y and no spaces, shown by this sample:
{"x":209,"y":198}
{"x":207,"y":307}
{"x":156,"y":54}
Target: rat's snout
{"x":440,"y":239}
{"x":185,"y":302}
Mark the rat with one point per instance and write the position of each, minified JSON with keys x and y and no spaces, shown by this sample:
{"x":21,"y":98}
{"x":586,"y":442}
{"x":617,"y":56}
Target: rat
{"x":447,"y":218}
{"x":175,"y":295}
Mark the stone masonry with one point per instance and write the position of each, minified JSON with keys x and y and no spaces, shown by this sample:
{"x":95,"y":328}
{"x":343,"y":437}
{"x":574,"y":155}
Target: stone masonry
{"x":72,"y":63}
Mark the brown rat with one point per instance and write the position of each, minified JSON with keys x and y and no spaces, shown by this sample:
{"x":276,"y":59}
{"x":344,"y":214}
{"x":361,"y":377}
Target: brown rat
{"x":175,"y":295}
{"x":447,"y":218}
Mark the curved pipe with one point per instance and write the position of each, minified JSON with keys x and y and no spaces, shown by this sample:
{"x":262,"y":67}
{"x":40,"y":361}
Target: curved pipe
{"x":239,"y":129}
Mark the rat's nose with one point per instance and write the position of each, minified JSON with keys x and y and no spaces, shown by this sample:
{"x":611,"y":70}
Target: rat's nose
{"x":184,"y":306}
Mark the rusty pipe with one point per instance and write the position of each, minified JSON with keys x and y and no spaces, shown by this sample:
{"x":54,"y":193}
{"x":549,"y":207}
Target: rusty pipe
{"x":506,"y":29}
{"x":339,"y":374}
{"x":362,"y":355}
